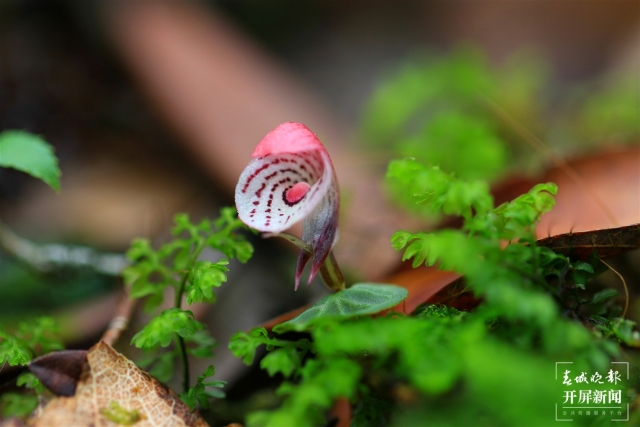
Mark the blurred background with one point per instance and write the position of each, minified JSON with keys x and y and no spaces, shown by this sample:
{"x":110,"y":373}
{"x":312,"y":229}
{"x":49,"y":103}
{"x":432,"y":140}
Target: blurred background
{"x":154,"y":108}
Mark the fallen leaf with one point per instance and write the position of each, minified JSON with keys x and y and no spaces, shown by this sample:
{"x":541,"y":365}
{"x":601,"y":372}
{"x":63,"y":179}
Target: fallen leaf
{"x":112,"y":391}
{"x":426,"y":285}
{"x":607,"y":243}
{"x":609,"y":195}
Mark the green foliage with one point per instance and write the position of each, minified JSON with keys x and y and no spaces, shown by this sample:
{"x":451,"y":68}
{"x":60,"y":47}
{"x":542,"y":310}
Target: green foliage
{"x":359,"y":300}
{"x":203,"y":278}
{"x":17,"y":404}
{"x":458,"y":112}
{"x":30,"y":381}
{"x":159,"y":331}
{"x":473,"y":146}
{"x":284,"y":360}
{"x":437,"y":110}
{"x":612,"y":113}
{"x":176,"y":262}
{"x":31,"y":154}
{"x":244,"y":346}
{"x":429,"y":190}
{"x":31,"y":339}
{"x":22,"y":404}
{"x":198,"y":394}
{"x":322,"y":382}
{"x":371,"y":411}
{"x":492,"y":366}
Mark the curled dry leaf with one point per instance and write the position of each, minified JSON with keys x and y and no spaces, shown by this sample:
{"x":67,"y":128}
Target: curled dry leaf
{"x":60,"y":371}
{"x":113,"y":391}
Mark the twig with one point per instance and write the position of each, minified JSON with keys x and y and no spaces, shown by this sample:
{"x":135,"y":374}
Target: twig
{"x":50,"y":256}
{"x":120,"y":322}
{"x":624,"y":284}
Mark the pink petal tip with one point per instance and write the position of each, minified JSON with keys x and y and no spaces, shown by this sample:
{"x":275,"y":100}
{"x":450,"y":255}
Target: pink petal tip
{"x":289,"y":137}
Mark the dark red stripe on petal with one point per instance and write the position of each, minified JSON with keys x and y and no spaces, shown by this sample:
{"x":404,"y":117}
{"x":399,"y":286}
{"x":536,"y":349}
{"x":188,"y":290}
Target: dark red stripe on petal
{"x":253,"y":175}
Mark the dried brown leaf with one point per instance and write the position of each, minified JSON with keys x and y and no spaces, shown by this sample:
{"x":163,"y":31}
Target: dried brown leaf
{"x":607,"y":243}
{"x":113,"y":391}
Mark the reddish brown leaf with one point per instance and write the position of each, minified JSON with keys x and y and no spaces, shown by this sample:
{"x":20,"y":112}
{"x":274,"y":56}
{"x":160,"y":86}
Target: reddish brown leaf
{"x":606,"y":243}
{"x":341,"y":413}
{"x":425,"y":284}
{"x":611,"y":183}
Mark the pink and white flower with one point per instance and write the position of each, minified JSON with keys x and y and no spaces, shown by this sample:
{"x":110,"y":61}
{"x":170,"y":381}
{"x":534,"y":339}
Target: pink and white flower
{"x":291,"y":178}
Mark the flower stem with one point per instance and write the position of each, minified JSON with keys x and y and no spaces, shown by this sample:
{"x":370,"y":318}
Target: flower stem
{"x":331,"y":274}
{"x":329,"y":271}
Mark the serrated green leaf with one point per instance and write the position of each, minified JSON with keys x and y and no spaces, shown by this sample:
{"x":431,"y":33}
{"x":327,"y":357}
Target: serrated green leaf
{"x":14,"y":352}
{"x":31,"y":338}
{"x":359,"y":300}
{"x":160,"y":330}
{"x":284,"y":360}
{"x":205,"y":276}
{"x":31,"y":154}
{"x":198,"y":394}
{"x":400,"y":239}
{"x":244,"y":345}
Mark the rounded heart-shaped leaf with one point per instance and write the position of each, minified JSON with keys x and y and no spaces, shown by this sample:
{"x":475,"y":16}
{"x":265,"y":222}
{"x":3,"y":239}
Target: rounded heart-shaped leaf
{"x":359,"y":300}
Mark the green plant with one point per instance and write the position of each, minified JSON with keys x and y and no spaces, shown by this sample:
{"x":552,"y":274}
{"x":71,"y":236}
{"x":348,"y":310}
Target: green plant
{"x":176,"y":264}
{"x":475,"y":119}
{"x":31,"y":154}
{"x":18,"y":348}
{"x":438,"y":363}
{"x":489,"y":366}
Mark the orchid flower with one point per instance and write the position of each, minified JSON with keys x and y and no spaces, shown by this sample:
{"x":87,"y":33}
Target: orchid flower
{"x":291,"y":178}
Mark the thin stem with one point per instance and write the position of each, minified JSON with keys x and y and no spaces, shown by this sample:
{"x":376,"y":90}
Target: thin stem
{"x":182,"y":350}
{"x":183,"y":282}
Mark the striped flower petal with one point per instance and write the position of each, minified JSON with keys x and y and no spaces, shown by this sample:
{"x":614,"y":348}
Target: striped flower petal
{"x":291,"y":178}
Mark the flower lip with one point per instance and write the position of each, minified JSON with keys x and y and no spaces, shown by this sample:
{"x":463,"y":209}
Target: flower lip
{"x":272,"y":192}
{"x":296,"y":193}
